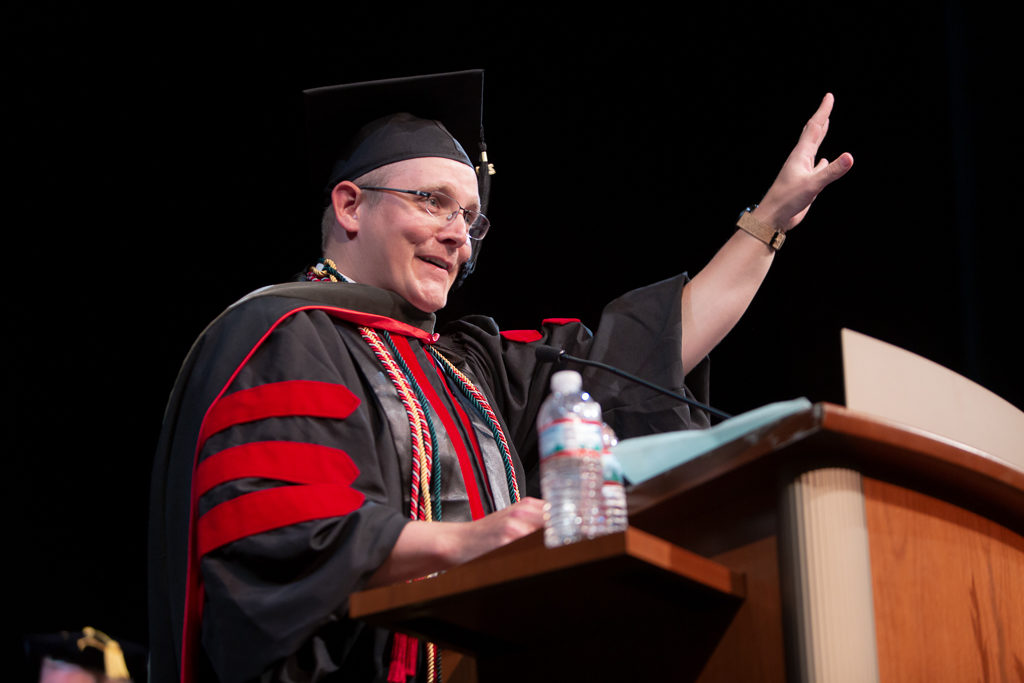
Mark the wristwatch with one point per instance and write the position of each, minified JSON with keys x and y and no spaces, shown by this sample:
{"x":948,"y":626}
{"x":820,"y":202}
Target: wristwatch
{"x":767,"y":234}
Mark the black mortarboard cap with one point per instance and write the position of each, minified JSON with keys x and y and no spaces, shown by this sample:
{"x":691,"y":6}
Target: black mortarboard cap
{"x":354,"y":128}
{"x":357,"y":127}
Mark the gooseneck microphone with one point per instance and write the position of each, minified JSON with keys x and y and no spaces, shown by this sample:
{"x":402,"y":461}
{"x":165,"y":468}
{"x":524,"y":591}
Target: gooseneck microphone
{"x":551,"y":354}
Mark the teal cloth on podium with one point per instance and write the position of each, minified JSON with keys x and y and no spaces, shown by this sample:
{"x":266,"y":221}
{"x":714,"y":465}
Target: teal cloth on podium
{"x":648,"y":456}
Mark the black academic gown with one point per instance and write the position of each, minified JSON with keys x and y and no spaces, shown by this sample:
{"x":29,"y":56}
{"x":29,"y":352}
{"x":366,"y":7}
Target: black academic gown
{"x":282,"y":476}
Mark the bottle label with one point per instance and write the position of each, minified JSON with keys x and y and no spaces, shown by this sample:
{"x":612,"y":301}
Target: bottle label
{"x":571,"y":438}
{"x":612,"y":469}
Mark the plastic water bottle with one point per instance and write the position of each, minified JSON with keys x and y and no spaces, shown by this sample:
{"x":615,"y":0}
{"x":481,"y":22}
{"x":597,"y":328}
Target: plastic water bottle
{"x":613,"y":515}
{"x":569,"y":426}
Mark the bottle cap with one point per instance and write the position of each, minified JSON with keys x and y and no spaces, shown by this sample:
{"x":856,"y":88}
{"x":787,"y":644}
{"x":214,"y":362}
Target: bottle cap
{"x":566,"y":382}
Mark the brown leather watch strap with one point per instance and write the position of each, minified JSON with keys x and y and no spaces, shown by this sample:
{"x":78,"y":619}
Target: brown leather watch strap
{"x":767,"y":234}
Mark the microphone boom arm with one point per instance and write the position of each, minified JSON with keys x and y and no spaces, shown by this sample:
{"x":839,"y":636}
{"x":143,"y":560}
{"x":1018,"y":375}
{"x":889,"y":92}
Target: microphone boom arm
{"x":560,"y":356}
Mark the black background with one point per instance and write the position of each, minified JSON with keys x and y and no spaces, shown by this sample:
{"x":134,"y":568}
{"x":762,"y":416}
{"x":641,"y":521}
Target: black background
{"x":155,"y":174}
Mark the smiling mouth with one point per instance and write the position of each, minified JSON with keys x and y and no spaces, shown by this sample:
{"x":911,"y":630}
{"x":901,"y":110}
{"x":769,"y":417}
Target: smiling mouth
{"x":436,"y":262}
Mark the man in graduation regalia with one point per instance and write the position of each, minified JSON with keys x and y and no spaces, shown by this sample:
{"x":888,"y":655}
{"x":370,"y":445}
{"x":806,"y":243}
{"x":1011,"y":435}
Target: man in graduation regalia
{"x":323,"y":438}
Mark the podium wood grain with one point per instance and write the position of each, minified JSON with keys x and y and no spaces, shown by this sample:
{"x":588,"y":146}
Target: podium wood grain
{"x":614,"y":601}
{"x":948,"y":587}
{"x":697,"y":589}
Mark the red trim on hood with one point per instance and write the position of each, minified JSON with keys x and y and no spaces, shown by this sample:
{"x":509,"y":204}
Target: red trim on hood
{"x":379,"y":322}
{"x":476,"y":508}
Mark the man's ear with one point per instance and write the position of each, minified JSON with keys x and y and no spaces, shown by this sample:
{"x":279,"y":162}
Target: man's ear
{"x":345,"y":198}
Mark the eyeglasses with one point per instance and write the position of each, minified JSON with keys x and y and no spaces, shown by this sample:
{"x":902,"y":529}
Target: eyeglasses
{"x":440,"y":205}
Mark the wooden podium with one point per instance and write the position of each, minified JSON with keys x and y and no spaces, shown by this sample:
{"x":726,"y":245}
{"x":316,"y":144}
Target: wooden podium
{"x":827,"y":546}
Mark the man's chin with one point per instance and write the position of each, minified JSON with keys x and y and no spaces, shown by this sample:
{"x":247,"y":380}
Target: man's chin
{"x":430,"y":302}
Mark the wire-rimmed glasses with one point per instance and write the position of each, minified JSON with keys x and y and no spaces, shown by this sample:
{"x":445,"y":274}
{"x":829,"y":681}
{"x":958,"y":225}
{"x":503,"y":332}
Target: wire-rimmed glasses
{"x":442,"y":206}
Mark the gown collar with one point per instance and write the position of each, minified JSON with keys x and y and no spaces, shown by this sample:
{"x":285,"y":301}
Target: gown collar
{"x":361,"y":304}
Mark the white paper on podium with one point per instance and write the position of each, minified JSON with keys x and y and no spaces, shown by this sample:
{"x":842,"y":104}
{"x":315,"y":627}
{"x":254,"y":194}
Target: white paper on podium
{"x":644,"y":457}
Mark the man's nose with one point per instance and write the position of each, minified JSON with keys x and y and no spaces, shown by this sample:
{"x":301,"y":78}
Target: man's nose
{"x":455,"y":230}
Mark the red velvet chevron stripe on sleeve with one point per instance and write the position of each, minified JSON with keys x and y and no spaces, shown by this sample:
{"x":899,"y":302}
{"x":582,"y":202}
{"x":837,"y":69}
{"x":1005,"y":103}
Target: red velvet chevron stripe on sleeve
{"x":279,"y":399}
{"x":319,"y":477}
{"x":260,"y":511}
{"x":291,"y":461}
